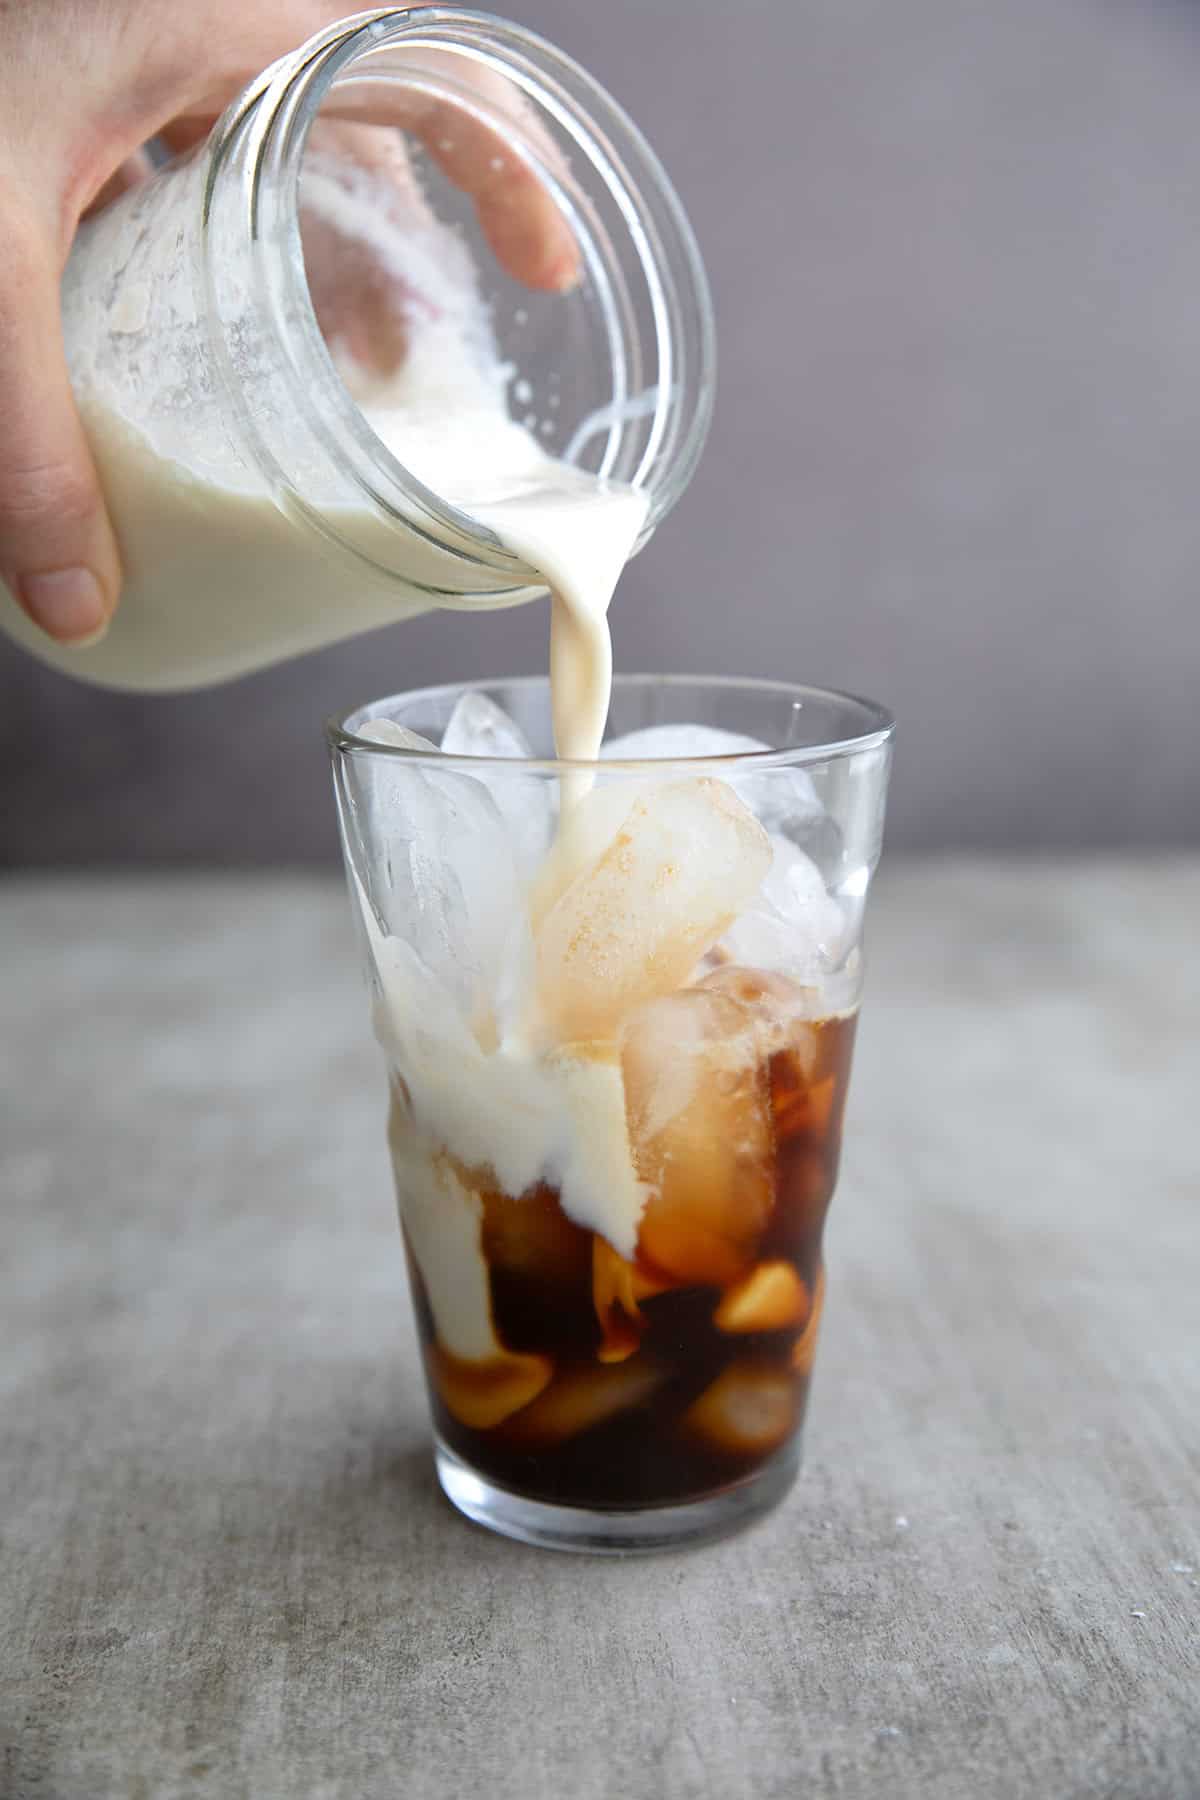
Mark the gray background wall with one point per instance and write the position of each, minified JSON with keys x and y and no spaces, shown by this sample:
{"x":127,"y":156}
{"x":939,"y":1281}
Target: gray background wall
{"x":955,"y":464}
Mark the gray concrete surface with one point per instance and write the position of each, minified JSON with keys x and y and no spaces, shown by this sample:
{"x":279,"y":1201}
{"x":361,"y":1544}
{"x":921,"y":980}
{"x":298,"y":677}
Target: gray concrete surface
{"x":954,"y":462}
{"x":226,"y":1573}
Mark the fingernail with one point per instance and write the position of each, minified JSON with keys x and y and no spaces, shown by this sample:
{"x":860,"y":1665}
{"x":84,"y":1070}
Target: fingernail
{"x":66,"y":603}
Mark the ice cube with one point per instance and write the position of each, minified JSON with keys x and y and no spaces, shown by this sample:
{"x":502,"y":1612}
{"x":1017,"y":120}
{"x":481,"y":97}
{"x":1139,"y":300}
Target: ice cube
{"x":785,"y":801}
{"x":580,"y":1398}
{"x":749,"y":1409}
{"x":588,"y":828}
{"x":478,"y":727}
{"x":654,"y":741}
{"x":527,"y":803}
{"x":685,"y":862}
{"x":770,"y":1298}
{"x":442,"y":877}
{"x":782,"y":799}
{"x":701,"y":1129}
{"x":618,"y":1288}
{"x":804,"y":1349}
{"x":795,"y":889}
{"x":792,"y":924}
{"x":780,"y":1012}
{"x":790,"y":1041}
{"x":399,"y":737}
{"x":484,"y":1394}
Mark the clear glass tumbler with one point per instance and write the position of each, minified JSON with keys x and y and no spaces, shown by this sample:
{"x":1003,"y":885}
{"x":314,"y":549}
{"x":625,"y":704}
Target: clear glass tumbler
{"x":618,"y":1013}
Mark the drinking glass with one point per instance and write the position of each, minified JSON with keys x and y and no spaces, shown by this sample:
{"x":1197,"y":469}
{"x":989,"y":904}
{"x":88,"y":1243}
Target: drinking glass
{"x":617,"y":1004}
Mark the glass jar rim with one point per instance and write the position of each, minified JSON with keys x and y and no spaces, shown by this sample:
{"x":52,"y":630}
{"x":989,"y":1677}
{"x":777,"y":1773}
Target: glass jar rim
{"x":281,"y":106}
{"x":878,"y":728}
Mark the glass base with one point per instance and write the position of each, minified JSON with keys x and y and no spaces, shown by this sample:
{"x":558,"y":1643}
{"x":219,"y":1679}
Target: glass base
{"x":614,"y":1533}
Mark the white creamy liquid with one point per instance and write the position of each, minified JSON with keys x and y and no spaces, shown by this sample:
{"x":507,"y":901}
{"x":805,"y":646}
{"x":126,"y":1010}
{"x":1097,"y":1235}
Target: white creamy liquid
{"x":218,"y":581}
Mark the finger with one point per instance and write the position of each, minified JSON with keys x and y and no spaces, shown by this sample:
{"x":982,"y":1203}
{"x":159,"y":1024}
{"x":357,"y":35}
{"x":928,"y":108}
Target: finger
{"x":57,"y":551}
{"x":520,"y":219}
{"x":129,"y":174}
{"x":528,"y":235}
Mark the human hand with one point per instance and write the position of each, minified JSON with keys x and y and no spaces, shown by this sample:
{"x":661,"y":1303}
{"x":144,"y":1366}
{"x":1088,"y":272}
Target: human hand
{"x":84,"y":85}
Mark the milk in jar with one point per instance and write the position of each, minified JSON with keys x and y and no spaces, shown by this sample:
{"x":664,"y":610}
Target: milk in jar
{"x":269,"y":496}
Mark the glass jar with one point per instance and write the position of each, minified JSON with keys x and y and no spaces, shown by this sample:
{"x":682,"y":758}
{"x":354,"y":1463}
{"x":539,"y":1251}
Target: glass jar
{"x":258,"y":513}
{"x":618,"y":1052}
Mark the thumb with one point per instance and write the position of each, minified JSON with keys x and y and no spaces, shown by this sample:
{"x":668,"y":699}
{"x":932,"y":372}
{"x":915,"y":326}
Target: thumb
{"x":57,"y":551}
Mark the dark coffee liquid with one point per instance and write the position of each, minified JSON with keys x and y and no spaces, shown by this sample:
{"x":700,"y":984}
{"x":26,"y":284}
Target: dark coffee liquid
{"x":679,"y":1389}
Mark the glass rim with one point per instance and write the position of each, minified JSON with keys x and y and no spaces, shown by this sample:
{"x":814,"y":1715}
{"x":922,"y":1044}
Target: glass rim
{"x":342,"y":739}
{"x":284,"y":102}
